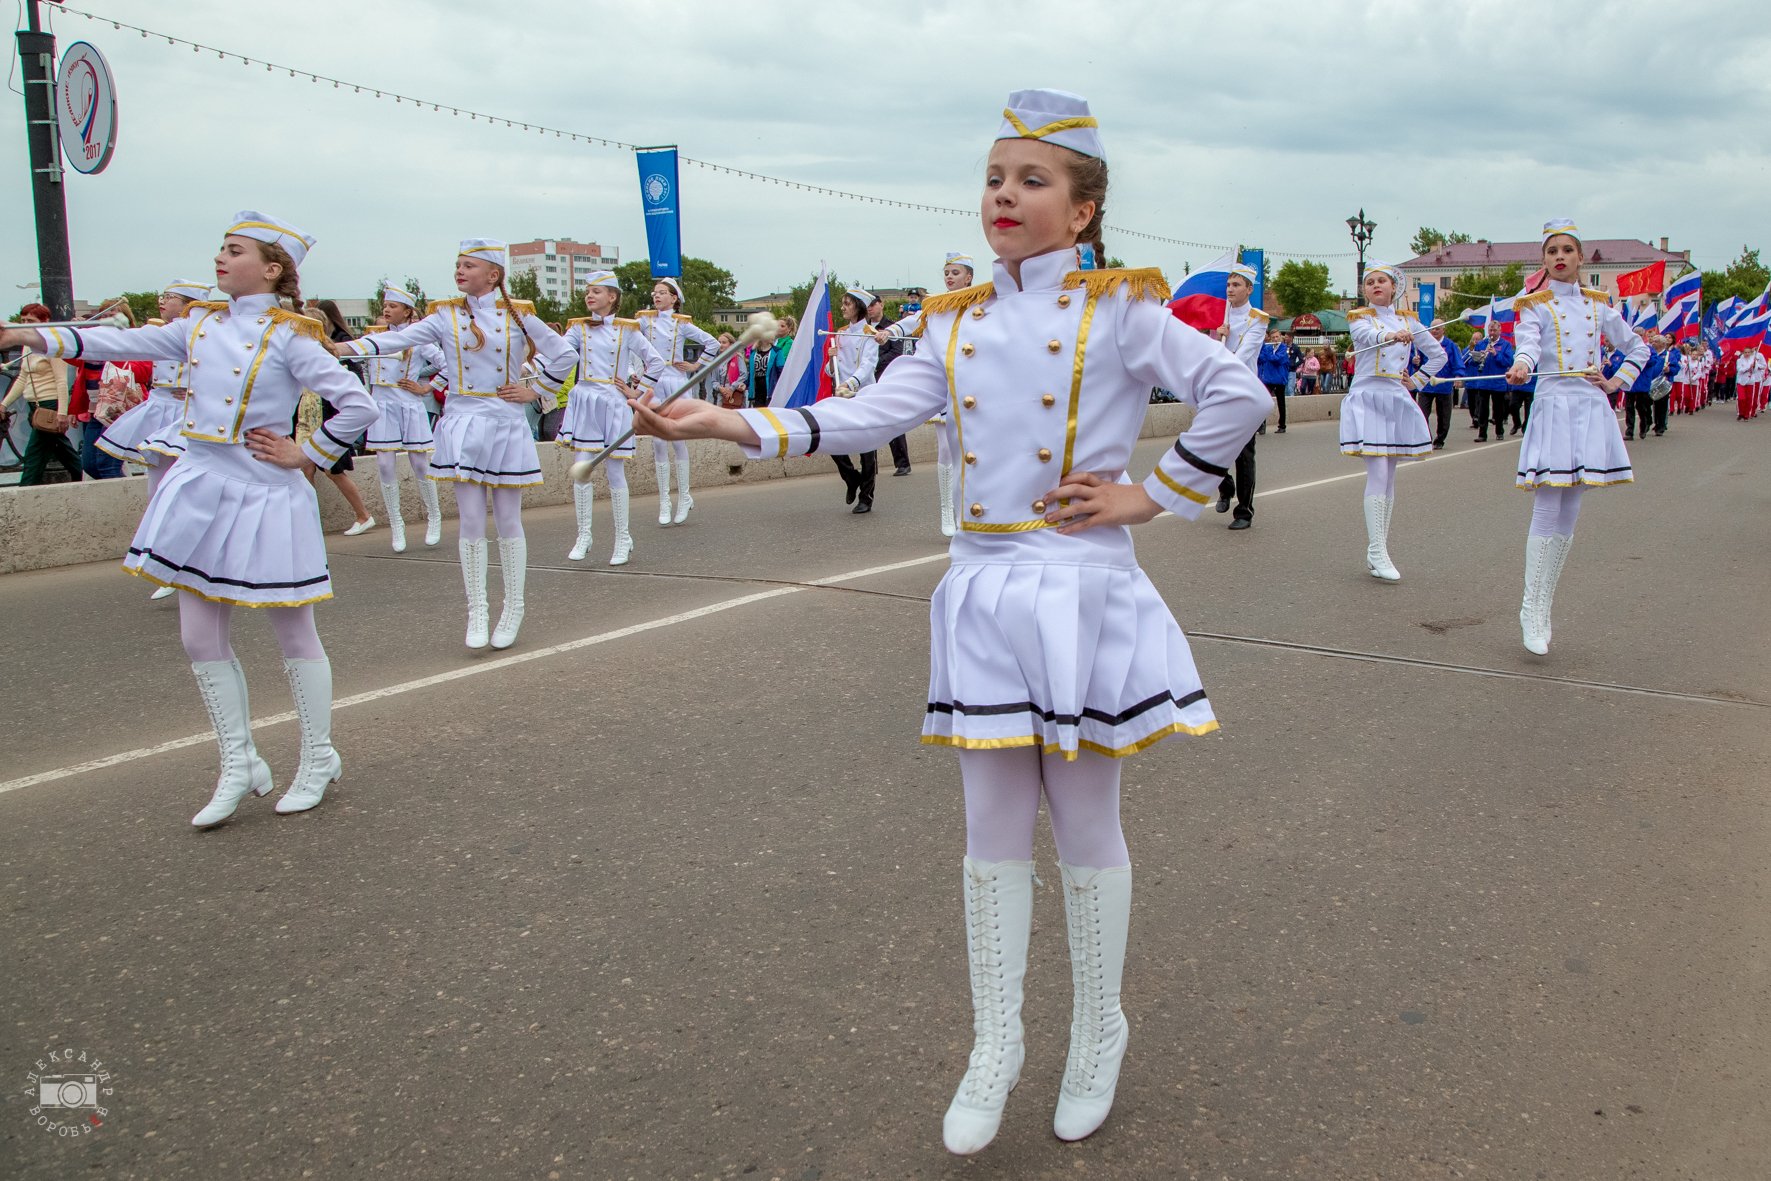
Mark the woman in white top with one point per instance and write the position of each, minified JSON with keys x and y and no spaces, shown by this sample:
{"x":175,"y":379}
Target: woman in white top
{"x":854,"y":356}
{"x":668,"y":327}
{"x":235,"y":522}
{"x":401,"y":385}
{"x":1052,"y":655}
{"x":1380,"y":421}
{"x":1572,"y":441}
{"x":956,"y":273}
{"x":483,"y":442}
{"x":615,"y":362}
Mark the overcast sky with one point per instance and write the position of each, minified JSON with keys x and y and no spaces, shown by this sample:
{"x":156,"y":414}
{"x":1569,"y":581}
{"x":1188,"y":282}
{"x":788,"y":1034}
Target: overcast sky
{"x":1224,"y":123}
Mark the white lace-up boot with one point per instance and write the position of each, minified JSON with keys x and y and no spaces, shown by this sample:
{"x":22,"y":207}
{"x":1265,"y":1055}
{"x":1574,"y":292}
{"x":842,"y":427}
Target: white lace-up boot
{"x":1377,"y":533}
{"x":583,"y":503}
{"x":223,"y":686}
{"x":684,"y":502}
{"x":396,"y":524}
{"x":433,"y":512}
{"x":310,"y":683}
{"x":623,"y":536}
{"x":513,"y":559}
{"x":662,"y":467}
{"x":473,"y":576}
{"x":1097,"y":910}
{"x":998,"y":918}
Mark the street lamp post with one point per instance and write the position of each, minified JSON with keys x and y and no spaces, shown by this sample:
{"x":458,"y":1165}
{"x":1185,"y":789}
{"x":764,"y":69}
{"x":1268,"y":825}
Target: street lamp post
{"x":1360,"y":227}
{"x":36,"y":53}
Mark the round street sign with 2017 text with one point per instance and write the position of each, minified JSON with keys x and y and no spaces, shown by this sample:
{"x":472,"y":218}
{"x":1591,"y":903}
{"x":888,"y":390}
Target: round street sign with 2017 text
{"x":86,"y":108}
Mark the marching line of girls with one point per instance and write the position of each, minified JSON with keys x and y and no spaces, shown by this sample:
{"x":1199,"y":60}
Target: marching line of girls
{"x":957,"y":272}
{"x":401,"y":385}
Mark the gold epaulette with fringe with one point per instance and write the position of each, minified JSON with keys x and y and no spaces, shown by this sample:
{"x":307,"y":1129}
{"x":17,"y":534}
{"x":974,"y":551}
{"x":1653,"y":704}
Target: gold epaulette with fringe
{"x":626,"y":323}
{"x":312,"y":329}
{"x":685,"y":319}
{"x":521,"y":307}
{"x":210,"y":305}
{"x":1356,"y":313}
{"x":374,"y":328}
{"x":1595,"y":294}
{"x":1408,"y":314}
{"x":1258,"y":312}
{"x":957,"y":301}
{"x":585,"y":320}
{"x":156,"y":322}
{"x":1535,"y":298}
{"x":1141,"y":283}
{"x":437,"y":305}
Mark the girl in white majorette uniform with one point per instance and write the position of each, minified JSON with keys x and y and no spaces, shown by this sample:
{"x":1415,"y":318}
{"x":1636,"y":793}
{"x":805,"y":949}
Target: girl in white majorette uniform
{"x":1380,"y":421}
{"x":668,"y":328}
{"x":401,"y":385}
{"x":616,"y":362}
{"x":1572,"y":441}
{"x":1053,"y":656}
{"x":149,"y":433}
{"x":484,"y":445}
{"x":957,"y":272}
{"x":235,"y":522}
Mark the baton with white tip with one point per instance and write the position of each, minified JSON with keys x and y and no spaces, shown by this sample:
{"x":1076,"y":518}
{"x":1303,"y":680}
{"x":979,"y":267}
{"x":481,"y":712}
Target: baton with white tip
{"x":760,"y":328}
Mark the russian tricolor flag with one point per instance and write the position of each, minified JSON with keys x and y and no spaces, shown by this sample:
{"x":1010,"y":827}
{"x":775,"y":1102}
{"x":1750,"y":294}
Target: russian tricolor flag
{"x":804,"y":375}
{"x":1748,"y":330}
{"x":1683,"y":300}
{"x":1202,"y":298}
{"x":1498,"y":311}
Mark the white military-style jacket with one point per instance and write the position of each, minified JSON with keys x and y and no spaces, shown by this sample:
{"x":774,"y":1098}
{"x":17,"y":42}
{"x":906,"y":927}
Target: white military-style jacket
{"x":171,"y":378}
{"x":1564,"y":326}
{"x":479,"y":372}
{"x":854,"y":355}
{"x":1245,"y":333}
{"x":386,"y":371}
{"x":1751,"y":368}
{"x":612,"y":349}
{"x":1041,"y":378}
{"x":248,"y":362}
{"x":1376,"y":363}
{"x":668,"y":332}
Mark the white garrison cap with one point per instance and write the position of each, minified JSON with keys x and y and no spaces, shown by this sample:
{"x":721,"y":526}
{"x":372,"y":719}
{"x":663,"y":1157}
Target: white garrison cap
{"x":1560,"y":225}
{"x":1390,"y":269}
{"x":186,"y":289}
{"x":391,"y":294}
{"x":1243,"y":271}
{"x":963,"y":259}
{"x":486,"y":250}
{"x":606,"y":279}
{"x":265,"y":227}
{"x":1053,"y":117}
{"x":866,"y":297}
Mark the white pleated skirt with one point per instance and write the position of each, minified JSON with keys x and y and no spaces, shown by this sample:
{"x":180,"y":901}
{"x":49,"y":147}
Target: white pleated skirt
{"x":403,"y":425}
{"x":232,"y":529}
{"x":1380,"y":420}
{"x":1059,"y":643}
{"x":1572,"y":439}
{"x":485,"y":441}
{"x":147,"y":433}
{"x":596,"y":414}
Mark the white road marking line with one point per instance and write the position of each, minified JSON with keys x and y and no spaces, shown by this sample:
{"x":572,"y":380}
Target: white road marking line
{"x":480,"y":668}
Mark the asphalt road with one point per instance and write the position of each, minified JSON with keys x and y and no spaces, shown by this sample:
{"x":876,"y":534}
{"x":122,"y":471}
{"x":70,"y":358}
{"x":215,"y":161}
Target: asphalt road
{"x":670,"y":890}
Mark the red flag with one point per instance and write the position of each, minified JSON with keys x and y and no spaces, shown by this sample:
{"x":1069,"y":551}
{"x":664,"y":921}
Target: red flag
{"x":1647,"y":281}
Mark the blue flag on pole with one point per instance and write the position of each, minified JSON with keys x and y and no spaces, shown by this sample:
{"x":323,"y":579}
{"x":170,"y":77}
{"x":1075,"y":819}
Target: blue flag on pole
{"x":1429,"y":302}
{"x":658,"y":197}
{"x":1258,"y":260}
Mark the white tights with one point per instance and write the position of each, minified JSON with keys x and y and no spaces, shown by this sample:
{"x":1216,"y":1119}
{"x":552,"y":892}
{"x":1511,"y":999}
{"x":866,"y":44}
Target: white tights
{"x":1554,"y":510}
{"x":387,"y":473}
{"x":616,"y":471}
{"x":943,"y":449}
{"x":204,"y":628}
{"x":156,"y":473}
{"x":1380,"y":476}
{"x":507,"y":510}
{"x":1002,"y":790}
{"x":662,"y":449}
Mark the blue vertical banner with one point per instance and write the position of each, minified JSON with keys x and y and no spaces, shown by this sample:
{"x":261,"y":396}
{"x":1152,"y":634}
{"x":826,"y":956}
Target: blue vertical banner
{"x":1258,"y":260}
{"x":658,"y":196}
{"x":1429,"y":302}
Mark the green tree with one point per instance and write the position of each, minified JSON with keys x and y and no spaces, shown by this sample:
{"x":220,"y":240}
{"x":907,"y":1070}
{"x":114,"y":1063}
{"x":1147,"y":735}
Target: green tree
{"x":706,"y":287}
{"x":1744,"y":278}
{"x":1497,"y":283}
{"x":524,"y":285}
{"x":1427,"y":238}
{"x":145,"y":305}
{"x":1301,"y":287}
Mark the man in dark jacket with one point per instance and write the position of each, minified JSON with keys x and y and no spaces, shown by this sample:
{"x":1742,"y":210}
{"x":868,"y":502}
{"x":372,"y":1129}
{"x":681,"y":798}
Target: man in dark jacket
{"x":1435,"y":400}
{"x":1490,"y":358}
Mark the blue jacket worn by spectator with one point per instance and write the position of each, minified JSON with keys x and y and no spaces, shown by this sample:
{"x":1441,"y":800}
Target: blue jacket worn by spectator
{"x":1650,"y":371}
{"x":1274,"y":364}
{"x":1499,"y":358}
